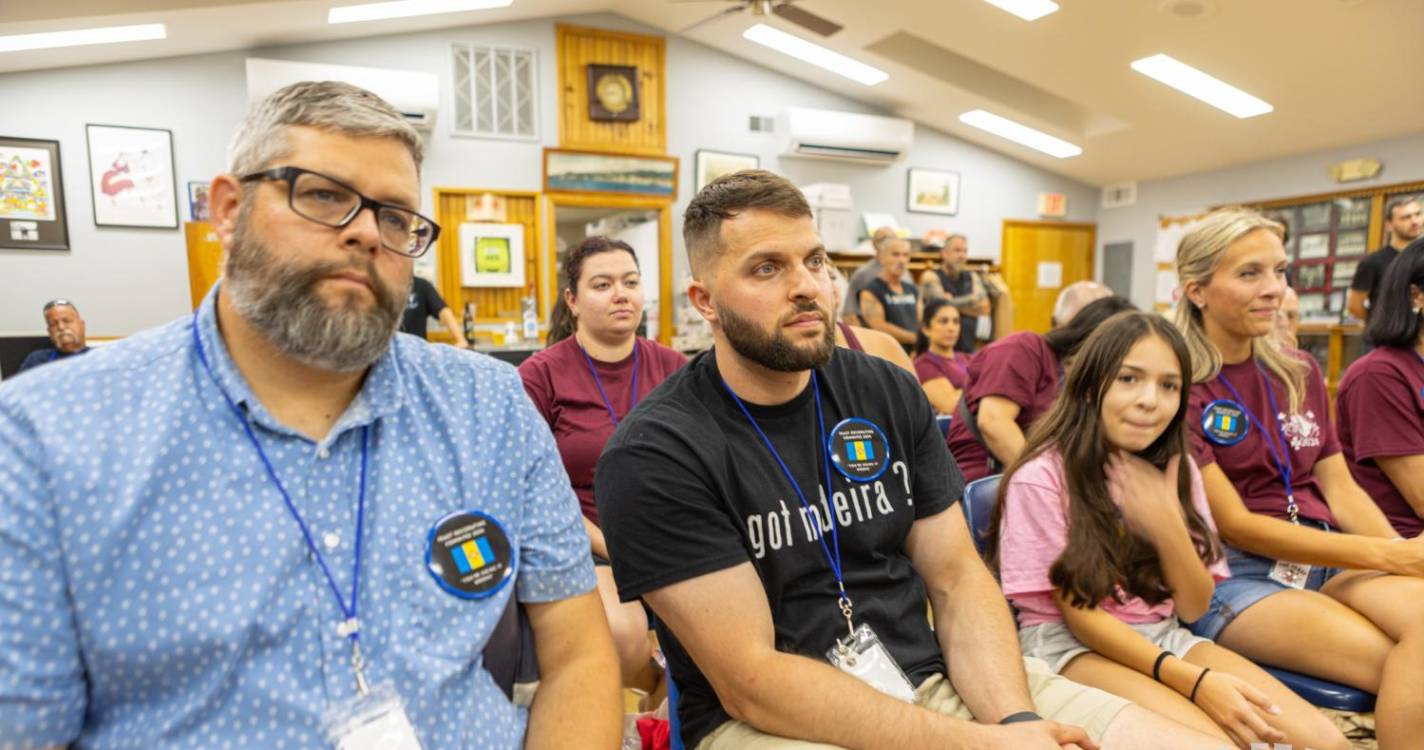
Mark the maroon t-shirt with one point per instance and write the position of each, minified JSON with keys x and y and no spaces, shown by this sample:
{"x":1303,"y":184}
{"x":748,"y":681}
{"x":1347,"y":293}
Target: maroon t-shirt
{"x":1249,"y":464}
{"x":1380,"y":409}
{"x":929,"y":366}
{"x":562,"y":387}
{"x":1019,"y":367}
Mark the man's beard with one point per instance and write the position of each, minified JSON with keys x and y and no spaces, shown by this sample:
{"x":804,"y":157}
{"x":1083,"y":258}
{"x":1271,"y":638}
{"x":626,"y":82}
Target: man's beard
{"x":280,"y":301}
{"x":773,"y":351}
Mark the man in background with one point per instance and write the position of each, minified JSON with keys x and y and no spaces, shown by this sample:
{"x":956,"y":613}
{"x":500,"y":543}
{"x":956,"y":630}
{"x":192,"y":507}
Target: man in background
{"x":66,"y":332}
{"x":1075,"y":297}
{"x":889,"y":303}
{"x":964,"y":288}
{"x":863,"y":276}
{"x":1406,"y":222}
{"x":425,"y":303}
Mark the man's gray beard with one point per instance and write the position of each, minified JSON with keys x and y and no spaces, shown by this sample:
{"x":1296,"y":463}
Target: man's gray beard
{"x":773,"y":351}
{"x":280,"y":301}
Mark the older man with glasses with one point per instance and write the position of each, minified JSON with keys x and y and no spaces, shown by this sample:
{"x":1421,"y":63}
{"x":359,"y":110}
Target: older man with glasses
{"x":274,"y":524}
{"x":66,"y":332}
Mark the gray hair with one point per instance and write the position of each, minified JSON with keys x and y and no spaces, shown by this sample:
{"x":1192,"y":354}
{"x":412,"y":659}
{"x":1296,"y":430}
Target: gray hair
{"x":330,"y":106}
{"x":1075,"y":297}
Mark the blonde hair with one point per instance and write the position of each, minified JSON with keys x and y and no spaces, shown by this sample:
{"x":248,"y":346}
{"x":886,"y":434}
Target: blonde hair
{"x":1198,"y":257}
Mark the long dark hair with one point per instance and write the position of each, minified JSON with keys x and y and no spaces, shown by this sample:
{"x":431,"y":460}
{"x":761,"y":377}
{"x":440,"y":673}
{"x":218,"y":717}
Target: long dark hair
{"x":1102,"y":552}
{"x":1393,"y":321}
{"x":932,"y":308}
{"x":562,"y":323}
{"x":1065,"y":339}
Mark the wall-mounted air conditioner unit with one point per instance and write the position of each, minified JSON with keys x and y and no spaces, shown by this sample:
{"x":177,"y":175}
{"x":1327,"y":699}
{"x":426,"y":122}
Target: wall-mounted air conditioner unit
{"x":846,"y":136}
{"x":416,"y":95}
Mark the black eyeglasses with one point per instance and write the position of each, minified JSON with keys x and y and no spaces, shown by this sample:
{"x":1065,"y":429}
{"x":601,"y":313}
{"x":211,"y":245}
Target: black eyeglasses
{"x":332,"y":203}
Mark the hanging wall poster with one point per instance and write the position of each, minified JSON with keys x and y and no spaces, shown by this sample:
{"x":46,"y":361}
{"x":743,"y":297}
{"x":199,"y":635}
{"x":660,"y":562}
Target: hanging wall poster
{"x":131,"y":177}
{"x":31,"y":195}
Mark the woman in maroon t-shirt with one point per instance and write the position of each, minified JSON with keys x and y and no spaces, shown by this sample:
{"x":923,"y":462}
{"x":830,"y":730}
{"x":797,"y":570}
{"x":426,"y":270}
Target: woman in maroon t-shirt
{"x":1381,"y":400}
{"x":943,"y":372}
{"x":1282,"y":496}
{"x":1011,"y":383}
{"x":593,"y":372}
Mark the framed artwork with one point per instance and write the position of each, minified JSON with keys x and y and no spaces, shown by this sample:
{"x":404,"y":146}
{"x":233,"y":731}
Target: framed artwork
{"x":198,"y":201}
{"x":1312,"y":246}
{"x":592,"y":172}
{"x":613,"y":93}
{"x":1343,"y":272}
{"x":931,"y":191}
{"x":713,"y":164}
{"x":31,"y":195}
{"x":131,"y":177}
{"x":491,"y":255}
{"x":1310,"y":277}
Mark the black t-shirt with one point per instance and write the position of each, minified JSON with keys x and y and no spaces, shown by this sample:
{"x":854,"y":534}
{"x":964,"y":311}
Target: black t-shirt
{"x":961,"y":287}
{"x":424,"y":302}
{"x":900,"y":308}
{"x":1371,"y":271}
{"x":685,"y":487}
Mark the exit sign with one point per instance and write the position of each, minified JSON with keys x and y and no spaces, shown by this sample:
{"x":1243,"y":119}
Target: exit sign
{"x":1053,"y":204}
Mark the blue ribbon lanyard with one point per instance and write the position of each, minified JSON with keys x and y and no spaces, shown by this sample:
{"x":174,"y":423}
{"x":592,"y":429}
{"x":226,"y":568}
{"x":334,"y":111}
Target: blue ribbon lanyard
{"x":351,"y":626}
{"x":599,"y":382}
{"x":1281,"y":457}
{"x":833,"y":559}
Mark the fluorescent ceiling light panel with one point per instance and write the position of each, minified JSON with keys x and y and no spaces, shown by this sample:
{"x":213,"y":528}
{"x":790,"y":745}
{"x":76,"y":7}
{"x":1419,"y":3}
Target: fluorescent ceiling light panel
{"x":1020,"y":134}
{"x":1195,"y":83}
{"x":815,"y":54}
{"x":78,"y":37}
{"x":1028,"y":10}
{"x":407,"y":8}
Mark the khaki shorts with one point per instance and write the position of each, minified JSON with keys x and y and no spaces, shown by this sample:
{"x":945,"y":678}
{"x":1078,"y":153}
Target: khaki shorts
{"x":1056,"y":645}
{"x":1054,"y":697}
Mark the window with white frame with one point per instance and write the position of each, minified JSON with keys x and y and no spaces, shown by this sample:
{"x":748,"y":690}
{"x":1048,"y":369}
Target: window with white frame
{"x":496,"y":91}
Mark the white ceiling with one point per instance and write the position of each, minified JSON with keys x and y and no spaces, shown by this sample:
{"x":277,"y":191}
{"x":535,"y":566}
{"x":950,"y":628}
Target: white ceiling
{"x":1338,"y":72}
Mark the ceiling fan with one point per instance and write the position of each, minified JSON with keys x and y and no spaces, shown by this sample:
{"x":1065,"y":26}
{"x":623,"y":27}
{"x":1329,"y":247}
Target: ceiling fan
{"x":787,"y":10}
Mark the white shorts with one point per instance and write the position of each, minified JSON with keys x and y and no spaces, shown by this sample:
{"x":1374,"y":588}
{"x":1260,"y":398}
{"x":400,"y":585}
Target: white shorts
{"x":1054,"y":643}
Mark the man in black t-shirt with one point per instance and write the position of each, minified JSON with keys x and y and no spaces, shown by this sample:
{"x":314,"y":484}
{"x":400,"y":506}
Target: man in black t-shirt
{"x":424,"y":303}
{"x":1405,"y":220}
{"x":729,"y":493}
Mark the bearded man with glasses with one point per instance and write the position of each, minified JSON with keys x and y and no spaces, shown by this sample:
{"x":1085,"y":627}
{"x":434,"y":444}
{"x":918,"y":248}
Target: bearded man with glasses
{"x":273,"y":523}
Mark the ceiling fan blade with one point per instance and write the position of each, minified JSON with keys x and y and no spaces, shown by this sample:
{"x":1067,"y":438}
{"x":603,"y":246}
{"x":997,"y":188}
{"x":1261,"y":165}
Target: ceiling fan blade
{"x":806,"y":19}
{"x":714,"y":17}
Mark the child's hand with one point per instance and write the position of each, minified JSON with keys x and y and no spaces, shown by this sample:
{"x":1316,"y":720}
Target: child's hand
{"x":1149,"y":496}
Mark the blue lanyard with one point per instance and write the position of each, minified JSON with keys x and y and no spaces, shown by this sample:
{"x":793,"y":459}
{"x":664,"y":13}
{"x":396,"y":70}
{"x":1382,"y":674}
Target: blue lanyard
{"x":351,"y":627}
{"x":53,"y":356}
{"x":599,"y":381}
{"x":1281,"y":456}
{"x":833,"y":559}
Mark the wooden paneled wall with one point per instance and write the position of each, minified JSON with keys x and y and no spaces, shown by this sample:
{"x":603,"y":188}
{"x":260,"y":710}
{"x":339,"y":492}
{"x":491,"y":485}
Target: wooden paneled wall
{"x":453,"y":207}
{"x":577,"y":48}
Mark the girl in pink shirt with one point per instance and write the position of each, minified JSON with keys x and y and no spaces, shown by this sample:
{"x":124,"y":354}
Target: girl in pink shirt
{"x":1102,"y":537}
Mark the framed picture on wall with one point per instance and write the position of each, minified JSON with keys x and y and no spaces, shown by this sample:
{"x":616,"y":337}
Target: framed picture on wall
{"x":491,"y":255}
{"x":931,"y":191}
{"x":131,"y":177}
{"x":714,"y":164}
{"x":613,"y":93}
{"x":31,"y":195}
{"x":592,"y":172}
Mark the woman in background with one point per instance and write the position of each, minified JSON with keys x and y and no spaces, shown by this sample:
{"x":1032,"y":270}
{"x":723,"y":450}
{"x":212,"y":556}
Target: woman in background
{"x":942,"y":370}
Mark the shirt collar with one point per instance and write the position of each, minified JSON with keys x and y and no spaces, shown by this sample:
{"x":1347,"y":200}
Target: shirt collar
{"x":381,"y":395}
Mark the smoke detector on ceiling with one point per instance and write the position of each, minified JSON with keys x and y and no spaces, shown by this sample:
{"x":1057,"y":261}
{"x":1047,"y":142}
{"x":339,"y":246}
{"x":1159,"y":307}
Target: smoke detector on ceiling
{"x":1188,"y":10}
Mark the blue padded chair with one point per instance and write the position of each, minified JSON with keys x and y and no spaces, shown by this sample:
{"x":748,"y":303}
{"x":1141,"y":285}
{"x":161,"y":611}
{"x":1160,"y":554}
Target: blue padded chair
{"x":979,"y":497}
{"x":943,"y":420}
{"x":674,"y":726}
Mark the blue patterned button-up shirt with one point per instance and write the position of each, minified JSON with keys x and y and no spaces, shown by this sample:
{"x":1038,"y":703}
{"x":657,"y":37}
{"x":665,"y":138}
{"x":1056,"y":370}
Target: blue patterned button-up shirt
{"x":156,"y":593}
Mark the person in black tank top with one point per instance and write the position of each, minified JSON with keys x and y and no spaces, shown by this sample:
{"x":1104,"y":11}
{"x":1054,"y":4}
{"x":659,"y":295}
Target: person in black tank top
{"x":964,"y":289}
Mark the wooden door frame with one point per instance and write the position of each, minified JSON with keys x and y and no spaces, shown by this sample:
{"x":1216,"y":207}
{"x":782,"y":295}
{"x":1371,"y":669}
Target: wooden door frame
{"x":661,"y":204}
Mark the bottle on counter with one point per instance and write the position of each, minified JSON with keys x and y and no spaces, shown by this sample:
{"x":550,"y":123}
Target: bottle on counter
{"x":470,"y":323}
{"x":531,"y":320}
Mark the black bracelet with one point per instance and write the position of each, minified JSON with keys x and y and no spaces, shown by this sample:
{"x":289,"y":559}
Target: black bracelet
{"x":1020,"y":717}
{"x":1200,"y":677}
{"x":1157,"y":665}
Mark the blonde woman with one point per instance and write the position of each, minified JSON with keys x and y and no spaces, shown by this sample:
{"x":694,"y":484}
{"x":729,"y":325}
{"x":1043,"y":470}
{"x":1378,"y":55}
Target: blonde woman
{"x":1320,"y":582}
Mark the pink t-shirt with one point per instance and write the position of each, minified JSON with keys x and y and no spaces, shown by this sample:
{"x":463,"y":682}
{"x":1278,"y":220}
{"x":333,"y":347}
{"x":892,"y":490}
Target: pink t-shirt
{"x":1380,"y":412}
{"x":1034,"y":533}
{"x":1019,"y":367}
{"x":1249,"y":464}
{"x":561,"y":386}
{"x":929,"y":366}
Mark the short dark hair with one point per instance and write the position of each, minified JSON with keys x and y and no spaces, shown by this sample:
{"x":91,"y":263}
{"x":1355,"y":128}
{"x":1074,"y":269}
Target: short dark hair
{"x":932,"y":307}
{"x":1398,"y":202}
{"x":1065,"y":339}
{"x":727,"y":197}
{"x":1393,"y":321}
{"x":561,"y":318}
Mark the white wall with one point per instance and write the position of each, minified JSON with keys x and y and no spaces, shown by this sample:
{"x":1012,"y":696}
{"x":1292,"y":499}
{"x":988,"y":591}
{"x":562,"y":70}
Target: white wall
{"x":1303,"y":174}
{"x":129,"y":279}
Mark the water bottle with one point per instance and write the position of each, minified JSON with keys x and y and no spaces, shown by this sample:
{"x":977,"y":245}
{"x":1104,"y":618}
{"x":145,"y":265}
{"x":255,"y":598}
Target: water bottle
{"x":531,"y":321}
